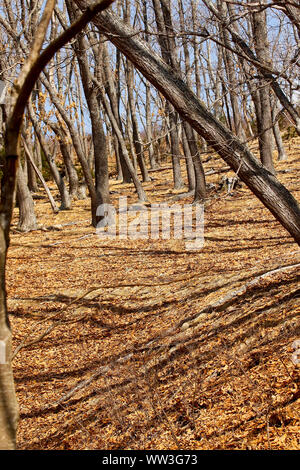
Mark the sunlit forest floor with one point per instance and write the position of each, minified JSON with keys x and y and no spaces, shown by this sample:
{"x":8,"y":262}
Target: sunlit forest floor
{"x":169,"y":349}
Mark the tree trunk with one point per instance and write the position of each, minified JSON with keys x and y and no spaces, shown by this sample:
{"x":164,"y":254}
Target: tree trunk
{"x":189,"y":161}
{"x":98,"y":135}
{"x":277,"y":134}
{"x":31,"y":175}
{"x":232,"y":79}
{"x":112,"y":94}
{"x":8,"y":402}
{"x":175,"y":149}
{"x":200,"y":185}
{"x":135,"y":131}
{"x":152,"y":157}
{"x":27,"y":219}
{"x":64,"y":194}
{"x":264,"y":118}
{"x":167,"y":46}
{"x":40,"y":176}
{"x":78,"y":148}
{"x":70,"y":168}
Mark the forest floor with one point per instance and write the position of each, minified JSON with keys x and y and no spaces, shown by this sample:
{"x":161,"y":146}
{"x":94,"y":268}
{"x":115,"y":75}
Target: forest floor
{"x":143,"y":344}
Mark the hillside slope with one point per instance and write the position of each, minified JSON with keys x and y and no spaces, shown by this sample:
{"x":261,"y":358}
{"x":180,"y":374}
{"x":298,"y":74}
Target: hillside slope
{"x":170,"y":348}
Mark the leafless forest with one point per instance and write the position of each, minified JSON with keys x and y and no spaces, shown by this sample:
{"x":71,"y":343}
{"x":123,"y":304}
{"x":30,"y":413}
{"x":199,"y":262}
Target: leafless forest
{"x":143,"y":340}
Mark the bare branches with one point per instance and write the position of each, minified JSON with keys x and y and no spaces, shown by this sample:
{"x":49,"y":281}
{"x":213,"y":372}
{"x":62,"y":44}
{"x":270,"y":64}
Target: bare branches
{"x":37,"y":64}
{"x":262,"y":67}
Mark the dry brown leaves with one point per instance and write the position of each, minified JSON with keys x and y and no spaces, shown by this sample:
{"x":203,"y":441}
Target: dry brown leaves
{"x":117,"y":369}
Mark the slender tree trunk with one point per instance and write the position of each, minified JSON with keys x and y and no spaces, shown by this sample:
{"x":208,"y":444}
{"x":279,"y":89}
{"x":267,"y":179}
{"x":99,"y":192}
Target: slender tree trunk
{"x":277,"y":134}
{"x":27,"y":219}
{"x":98,"y":135}
{"x":152,"y":157}
{"x":167,"y":46}
{"x":189,"y":161}
{"x":40,"y":176}
{"x":64,"y":194}
{"x":113,"y":96}
{"x":135,"y":131}
{"x":31,"y":174}
{"x":231,"y":76}
{"x":8,"y":401}
{"x":70,"y":168}
{"x":200,"y":186}
{"x":118,"y":161}
{"x":264,"y":118}
{"x":175,"y":149}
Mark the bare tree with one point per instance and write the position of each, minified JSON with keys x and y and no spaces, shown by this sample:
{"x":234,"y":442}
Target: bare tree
{"x":264,"y":116}
{"x":135,"y":128}
{"x":168,"y":51}
{"x":231,"y":75}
